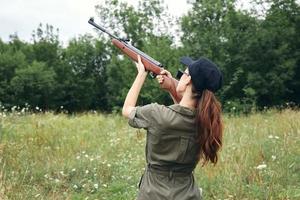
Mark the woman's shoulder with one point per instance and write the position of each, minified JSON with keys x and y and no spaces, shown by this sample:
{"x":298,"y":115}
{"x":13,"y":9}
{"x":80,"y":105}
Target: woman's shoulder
{"x":162,"y":113}
{"x":156,"y":107}
{"x":174,"y":108}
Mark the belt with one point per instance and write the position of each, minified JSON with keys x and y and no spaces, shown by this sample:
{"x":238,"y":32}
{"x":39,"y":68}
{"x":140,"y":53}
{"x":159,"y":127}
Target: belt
{"x":168,"y":172}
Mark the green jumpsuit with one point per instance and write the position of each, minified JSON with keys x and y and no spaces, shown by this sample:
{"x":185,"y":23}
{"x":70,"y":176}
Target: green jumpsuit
{"x":171,"y":152}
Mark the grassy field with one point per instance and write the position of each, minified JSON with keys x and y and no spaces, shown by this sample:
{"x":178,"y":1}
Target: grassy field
{"x":95,"y":156}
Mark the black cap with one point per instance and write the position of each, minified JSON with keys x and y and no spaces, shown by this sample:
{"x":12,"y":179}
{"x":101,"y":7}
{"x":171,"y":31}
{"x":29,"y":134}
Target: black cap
{"x":204,"y":74}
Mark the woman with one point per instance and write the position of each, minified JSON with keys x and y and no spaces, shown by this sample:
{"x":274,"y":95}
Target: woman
{"x":180,"y":135}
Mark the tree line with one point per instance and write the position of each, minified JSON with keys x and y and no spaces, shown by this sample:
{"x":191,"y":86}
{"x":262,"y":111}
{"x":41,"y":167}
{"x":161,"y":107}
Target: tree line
{"x":257,"y":51}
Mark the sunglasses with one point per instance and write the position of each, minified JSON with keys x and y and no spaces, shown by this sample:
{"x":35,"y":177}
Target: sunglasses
{"x":180,"y":73}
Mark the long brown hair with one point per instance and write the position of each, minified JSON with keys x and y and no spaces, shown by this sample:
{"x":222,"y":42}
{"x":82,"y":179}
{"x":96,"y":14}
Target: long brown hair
{"x":209,"y":126}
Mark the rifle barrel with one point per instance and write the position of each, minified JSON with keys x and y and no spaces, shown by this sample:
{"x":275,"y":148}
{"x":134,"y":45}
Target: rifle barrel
{"x":91,"y":21}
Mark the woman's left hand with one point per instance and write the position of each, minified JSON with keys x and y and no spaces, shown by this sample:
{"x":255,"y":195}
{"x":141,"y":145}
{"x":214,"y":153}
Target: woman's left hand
{"x":140,"y":66}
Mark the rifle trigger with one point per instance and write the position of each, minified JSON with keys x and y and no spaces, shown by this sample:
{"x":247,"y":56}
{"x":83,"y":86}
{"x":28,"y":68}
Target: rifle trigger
{"x":152,"y":75}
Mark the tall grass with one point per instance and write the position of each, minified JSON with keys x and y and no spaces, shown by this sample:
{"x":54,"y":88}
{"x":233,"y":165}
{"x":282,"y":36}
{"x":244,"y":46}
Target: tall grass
{"x":95,"y":156}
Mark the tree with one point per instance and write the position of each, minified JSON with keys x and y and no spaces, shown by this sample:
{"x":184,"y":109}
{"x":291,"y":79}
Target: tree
{"x":46,"y":45}
{"x":33,"y":85}
{"x":275,"y":56}
{"x":81,"y":77}
{"x":11,"y":58}
{"x":216,"y":30}
{"x":143,"y":26}
{"x":259,"y":61}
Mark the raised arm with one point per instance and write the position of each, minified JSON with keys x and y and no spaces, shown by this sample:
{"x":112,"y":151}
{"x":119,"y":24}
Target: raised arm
{"x":133,"y":93}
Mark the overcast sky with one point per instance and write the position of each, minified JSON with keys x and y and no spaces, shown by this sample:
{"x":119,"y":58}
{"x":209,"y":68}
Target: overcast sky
{"x":70,"y":16}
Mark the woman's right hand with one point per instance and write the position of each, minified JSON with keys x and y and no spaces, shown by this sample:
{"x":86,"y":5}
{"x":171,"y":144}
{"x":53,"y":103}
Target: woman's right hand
{"x":161,"y":79}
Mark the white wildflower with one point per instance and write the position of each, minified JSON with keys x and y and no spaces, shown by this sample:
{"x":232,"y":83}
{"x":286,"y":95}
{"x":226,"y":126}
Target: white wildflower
{"x":262,"y":166}
{"x":104,"y":185}
{"x":96,"y":186}
{"x":73,"y":170}
{"x":77,"y":157}
{"x":13,"y":108}
{"x":108,"y":165}
{"x":273,"y":157}
{"x":270,"y":136}
{"x":75,"y":186}
{"x":86,"y":171}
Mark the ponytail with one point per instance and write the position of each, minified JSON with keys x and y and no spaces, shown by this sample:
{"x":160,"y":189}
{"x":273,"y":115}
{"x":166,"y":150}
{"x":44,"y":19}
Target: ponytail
{"x":209,"y":127}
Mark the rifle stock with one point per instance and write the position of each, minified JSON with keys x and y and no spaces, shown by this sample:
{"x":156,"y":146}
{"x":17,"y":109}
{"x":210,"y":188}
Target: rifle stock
{"x":149,"y":63}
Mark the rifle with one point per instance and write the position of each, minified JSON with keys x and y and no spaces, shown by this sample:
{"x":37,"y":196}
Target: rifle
{"x":149,"y":63}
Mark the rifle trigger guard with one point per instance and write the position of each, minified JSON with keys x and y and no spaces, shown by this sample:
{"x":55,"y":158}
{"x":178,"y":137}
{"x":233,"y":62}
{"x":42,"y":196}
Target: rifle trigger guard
{"x":152,"y":75}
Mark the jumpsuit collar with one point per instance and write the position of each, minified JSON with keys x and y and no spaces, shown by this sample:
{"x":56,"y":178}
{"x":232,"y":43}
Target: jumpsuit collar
{"x":183,"y":110}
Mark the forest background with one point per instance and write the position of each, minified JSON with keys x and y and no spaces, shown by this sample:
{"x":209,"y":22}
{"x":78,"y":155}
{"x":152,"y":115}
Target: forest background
{"x":257,"y":51}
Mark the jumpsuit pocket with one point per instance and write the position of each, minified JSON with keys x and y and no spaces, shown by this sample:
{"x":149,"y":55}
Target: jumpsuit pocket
{"x":182,"y":149}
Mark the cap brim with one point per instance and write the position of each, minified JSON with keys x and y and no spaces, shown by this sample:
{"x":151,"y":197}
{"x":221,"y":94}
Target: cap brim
{"x":186,"y":60}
